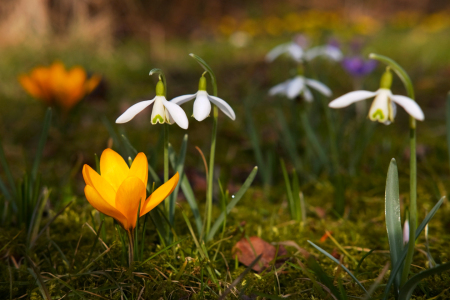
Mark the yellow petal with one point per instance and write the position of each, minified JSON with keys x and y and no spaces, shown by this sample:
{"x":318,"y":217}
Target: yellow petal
{"x":139,"y":168}
{"x":113,"y":168}
{"x":130,"y":193}
{"x":160,"y":194}
{"x":103,"y":206}
{"x":92,"y":83}
{"x":58,"y":76}
{"x":73,"y":88}
{"x":31,"y":87}
{"x":102,"y":186}
{"x":41,"y":76}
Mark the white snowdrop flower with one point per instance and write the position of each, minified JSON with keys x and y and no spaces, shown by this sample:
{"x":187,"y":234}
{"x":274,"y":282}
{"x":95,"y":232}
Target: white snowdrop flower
{"x":299,"y":54}
{"x":383,"y":107}
{"x":202,"y":103}
{"x":299,"y":85}
{"x":163,"y":110}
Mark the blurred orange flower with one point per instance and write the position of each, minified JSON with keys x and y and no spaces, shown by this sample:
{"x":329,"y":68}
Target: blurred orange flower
{"x":56,"y":86}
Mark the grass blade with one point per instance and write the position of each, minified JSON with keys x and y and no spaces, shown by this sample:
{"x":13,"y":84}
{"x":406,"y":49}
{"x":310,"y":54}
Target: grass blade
{"x":312,"y":137}
{"x":288,"y":189}
{"x":239,"y":278}
{"x":342,"y":266}
{"x":39,"y":280}
{"x":162,"y":250}
{"x":399,"y":264}
{"x":208,"y":69}
{"x":393,"y":219}
{"x":289,"y":142}
{"x":408,"y":288}
{"x":179,"y":167}
{"x":7,"y":169}
{"x":232,"y":203}
{"x":447,"y":119}
{"x":42,"y":141}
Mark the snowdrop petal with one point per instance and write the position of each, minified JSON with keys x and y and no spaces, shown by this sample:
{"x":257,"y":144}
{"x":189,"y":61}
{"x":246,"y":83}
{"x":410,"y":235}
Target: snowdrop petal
{"x":131,"y":112}
{"x":275,"y":52}
{"x":307,"y":95}
{"x":223,"y":106}
{"x":177,"y":114}
{"x":319,"y":86}
{"x":279,"y":88}
{"x":158,"y":111}
{"x":331,"y":52}
{"x":295,"y":87}
{"x":183,"y":99}
{"x":411,"y":106}
{"x":381,"y":110}
{"x":350,"y":98}
{"x":202,"y":106}
{"x":295,"y":51}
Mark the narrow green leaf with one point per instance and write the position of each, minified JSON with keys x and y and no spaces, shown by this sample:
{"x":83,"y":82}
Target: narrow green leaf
{"x":233,"y":203}
{"x":42,"y":141}
{"x":393,"y":219}
{"x":288,"y":140}
{"x":447,"y":120}
{"x":190,"y":197}
{"x":312,"y":137}
{"x":36,"y":217}
{"x":7,"y":169}
{"x":399,"y":264}
{"x":39,"y":280}
{"x":296,"y":196}
{"x":322,"y":276}
{"x":408,"y":288}
{"x":288,"y":189}
{"x":179,"y":167}
{"x":342,"y":266}
{"x":162,"y":250}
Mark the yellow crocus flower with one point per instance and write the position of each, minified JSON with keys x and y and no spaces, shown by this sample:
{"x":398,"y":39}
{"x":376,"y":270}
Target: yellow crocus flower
{"x":56,"y":86}
{"x":119,"y":189}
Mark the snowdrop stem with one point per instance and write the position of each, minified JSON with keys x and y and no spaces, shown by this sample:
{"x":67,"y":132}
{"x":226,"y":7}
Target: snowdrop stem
{"x":401,"y":73}
{"x":209,"y":190}
{"x":161,"y":77}
{"x":166,"y":162}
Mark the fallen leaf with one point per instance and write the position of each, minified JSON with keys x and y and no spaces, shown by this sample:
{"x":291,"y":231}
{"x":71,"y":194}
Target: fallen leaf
{"x":247,"y":250}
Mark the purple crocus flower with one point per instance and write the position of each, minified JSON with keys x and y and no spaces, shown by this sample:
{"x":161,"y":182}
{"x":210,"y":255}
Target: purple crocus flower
{"x":357,"y":66}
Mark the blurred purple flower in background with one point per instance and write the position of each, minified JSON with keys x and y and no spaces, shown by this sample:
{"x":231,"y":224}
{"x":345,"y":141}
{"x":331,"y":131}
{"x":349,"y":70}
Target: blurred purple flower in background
{"x":357,"y":66}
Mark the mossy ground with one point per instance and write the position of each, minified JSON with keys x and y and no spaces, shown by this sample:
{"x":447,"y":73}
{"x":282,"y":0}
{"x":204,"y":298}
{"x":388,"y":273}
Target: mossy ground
{"x":65,"y":248}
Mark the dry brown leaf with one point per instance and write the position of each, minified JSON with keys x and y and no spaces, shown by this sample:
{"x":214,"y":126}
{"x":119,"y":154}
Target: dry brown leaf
{"x":247,"y":252}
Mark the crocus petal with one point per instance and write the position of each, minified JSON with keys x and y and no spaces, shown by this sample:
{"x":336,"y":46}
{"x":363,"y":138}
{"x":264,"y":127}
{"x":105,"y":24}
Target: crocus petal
{"x":113,"y":168}
{"x":223,"y":106}
{"x":104,"y":189}
{"x":350,"y":98}
{"x":103,"y":206}
{"x":275,"y":52}
{"x":202,"y":106}
{"x":139,"y":168}
{"x":411,"y":106}
{"x":130,"y":194}
{"x":160,"y":194}
{"x":380,"y":110}
{"x":279,"y":88}
{"x":131,"y":112}
{"x":32,"y":87}
{"x":295,"y":87}
{"x":319,"y":86}
{"x":177,"y":113}
{"x":183,"y":99}
{"x":307,"y":95}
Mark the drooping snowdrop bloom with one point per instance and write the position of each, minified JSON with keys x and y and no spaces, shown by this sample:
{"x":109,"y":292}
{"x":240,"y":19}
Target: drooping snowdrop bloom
{"x":299,"y":85}
{"x":163,"y":110}
{"x":202,"y":103}
{"x":383,"y":107}
{"x":295,"y":51}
